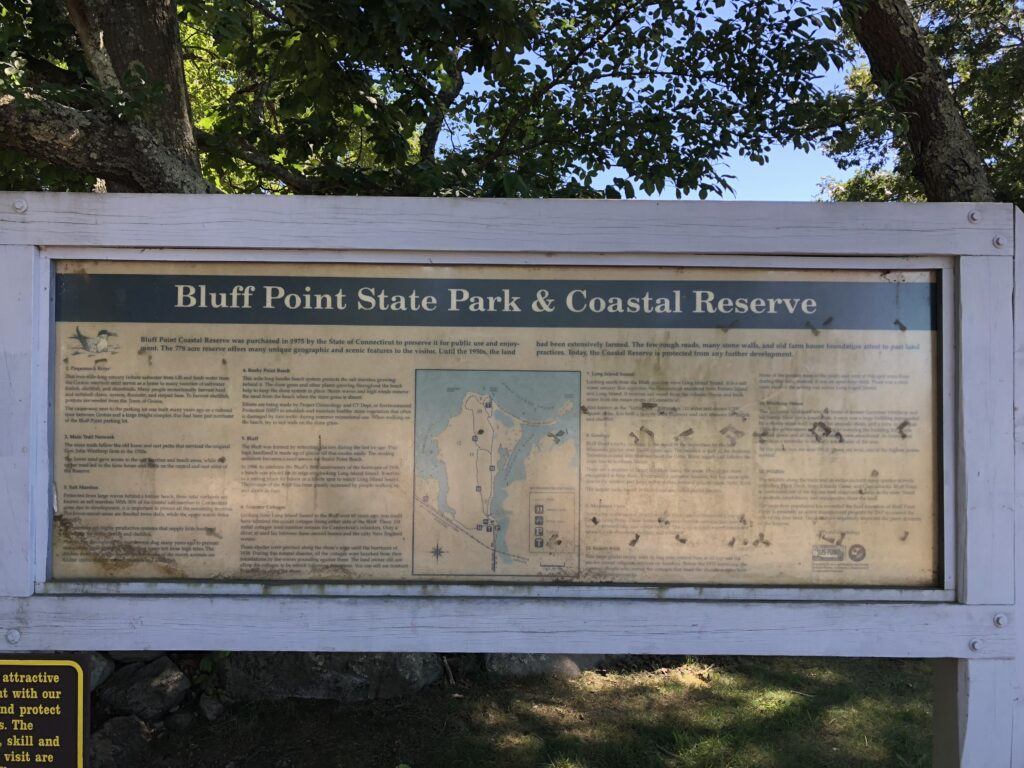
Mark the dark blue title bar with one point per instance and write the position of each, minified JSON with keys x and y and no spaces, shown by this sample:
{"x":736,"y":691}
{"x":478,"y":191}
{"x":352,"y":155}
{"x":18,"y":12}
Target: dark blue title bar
{"x":528,"y":303}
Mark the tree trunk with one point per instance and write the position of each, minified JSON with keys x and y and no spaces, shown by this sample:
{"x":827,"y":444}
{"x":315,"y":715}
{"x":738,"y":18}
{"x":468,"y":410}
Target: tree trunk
{"x":946,"y":162}
{"x":128,"y":41}
{"x":144,"y":34}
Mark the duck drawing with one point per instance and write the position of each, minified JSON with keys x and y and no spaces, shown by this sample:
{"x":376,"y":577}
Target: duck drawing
{"x":94,"y":344}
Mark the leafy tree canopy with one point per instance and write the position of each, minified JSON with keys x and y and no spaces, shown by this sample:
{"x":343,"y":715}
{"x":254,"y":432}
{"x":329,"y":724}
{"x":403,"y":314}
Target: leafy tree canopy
{"x":420,"y":97}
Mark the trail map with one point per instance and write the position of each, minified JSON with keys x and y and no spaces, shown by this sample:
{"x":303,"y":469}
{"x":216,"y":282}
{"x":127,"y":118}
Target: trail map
{"x":497,"y":471}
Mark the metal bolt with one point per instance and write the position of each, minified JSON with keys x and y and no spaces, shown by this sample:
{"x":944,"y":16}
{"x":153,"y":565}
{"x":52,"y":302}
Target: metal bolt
{"x":13,"y":636}
{"x":1000,"y":620}
{"x":974,"y":217}
{"x":975,"y":645}
{"x":20,"y":205}
{"x":998,"y":241}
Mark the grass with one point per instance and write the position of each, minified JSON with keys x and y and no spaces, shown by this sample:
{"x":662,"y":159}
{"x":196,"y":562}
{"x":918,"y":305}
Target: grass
{"x":697,"y":713}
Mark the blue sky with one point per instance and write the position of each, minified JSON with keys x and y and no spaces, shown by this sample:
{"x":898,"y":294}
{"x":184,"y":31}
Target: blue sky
{"x":789,"y":174}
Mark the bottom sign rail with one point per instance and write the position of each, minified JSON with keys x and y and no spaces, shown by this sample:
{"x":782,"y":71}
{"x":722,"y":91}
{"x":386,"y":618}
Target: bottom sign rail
{"x":898,"y":630}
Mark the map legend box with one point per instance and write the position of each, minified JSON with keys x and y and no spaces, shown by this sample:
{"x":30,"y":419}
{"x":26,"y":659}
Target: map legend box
{"x":556,"y":533}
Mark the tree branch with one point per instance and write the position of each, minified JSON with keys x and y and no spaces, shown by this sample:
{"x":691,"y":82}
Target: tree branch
{"x":97,"y":57}
{"x":41,"y":71}
{"x":335,"y":179}
{"x":583,"y":46}
{"x":91,"y":141}
{"x":446,"y":96}
{"x":946,"y":161}
{"x":134,"y":47}
{"x":292,"y":179}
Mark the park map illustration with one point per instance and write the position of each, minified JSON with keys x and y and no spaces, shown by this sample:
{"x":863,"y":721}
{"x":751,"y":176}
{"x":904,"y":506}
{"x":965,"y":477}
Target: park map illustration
{"x":497,"y":473}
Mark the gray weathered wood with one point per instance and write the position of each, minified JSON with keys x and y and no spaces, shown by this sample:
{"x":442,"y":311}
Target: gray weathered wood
{"x":16,"y":444}
{"x":973,"y":713}
{"x":1018,"y":383}
{"x":978,"y":712}
{"x":985,"y":456}
{"x":507,"y":624}
{"x":42,"y":367}
{"x":490,"y":225}
{"x":949,"y":414}
{"x":444,"y":258}
{"x":603,"y":591}
{"x":978,"y":680}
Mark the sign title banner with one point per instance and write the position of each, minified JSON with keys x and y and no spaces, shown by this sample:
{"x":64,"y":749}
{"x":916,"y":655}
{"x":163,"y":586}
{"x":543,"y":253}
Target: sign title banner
{"x":383,"y":423}
{"x":533,"y":303}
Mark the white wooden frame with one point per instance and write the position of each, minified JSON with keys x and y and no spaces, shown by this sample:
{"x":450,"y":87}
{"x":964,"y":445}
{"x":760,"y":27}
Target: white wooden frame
{"x":969,"y":622}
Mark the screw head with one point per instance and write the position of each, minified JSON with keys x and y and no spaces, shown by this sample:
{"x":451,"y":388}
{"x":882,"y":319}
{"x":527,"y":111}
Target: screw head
{"x":1000,"y":620}
{"x":20,"y":205}
{"x":13,"y":636}
{"x":975,"y":644}
{"x":974,"y":217}
{"x":998,"y":241}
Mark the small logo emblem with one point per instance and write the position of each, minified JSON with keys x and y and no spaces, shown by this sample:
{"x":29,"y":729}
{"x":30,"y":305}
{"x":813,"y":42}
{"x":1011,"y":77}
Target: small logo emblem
{"x":823,"y":553}
{"x":858,"y":553}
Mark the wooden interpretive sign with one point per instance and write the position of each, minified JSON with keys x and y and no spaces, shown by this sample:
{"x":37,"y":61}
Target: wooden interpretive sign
{"x":43,"y":712}
{"x":276,"y":423}
{"x":394,"y":423}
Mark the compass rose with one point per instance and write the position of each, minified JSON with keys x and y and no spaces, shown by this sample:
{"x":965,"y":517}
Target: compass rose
{"x":438,"y":552}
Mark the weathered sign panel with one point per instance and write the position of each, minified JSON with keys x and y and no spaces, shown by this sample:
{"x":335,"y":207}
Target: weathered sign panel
{"x":340,"y":422}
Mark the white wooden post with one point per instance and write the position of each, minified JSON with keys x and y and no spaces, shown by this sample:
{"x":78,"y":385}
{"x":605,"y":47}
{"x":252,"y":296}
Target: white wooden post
{"x":985,"y":456}
{"x":1018,"y":382}
{"x":974,"y":699}
{"x":17,"y":337}
{"x":973,"y":713}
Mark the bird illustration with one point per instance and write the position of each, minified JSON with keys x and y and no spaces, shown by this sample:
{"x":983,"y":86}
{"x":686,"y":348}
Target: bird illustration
{"x":98,"y":343}
{"x":557,"y":436}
